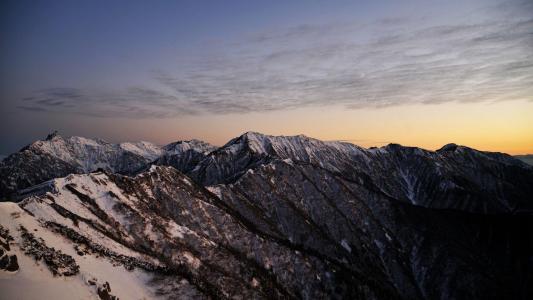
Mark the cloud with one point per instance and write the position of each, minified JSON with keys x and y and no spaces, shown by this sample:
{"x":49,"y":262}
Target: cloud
{"x":388,"y":62}
{"x":133,"y":102}
{"x":32,"y":108}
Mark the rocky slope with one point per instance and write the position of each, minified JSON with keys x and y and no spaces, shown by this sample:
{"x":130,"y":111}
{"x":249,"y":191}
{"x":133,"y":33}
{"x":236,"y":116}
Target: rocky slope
{"x":57,"y":156}
{"x":454,"y":177}
{"x":279,"y":217}
{"x":184,"y":155}
{"x":424,"y":252}
{"x":181,"y":238}
{"x":528,"y":158}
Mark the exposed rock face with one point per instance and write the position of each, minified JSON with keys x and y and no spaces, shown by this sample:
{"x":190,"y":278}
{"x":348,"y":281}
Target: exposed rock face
{"x":28,"y":168}
{"x":184,"y":155}
{"x":454,"y":177}
{"x":8,"y":262}
{"x":57,"y":157}
{"x":423,"y":252}
{"x":177,"y":230}
{"x":59,"y":264}
{"x":293,"y":217}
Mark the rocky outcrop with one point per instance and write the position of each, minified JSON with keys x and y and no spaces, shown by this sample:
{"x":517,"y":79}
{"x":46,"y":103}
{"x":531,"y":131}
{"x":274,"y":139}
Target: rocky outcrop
{"x":187,"y":233}
{"x":8,"y":262}
{"x":424,"y":252}
{"x":57,"y":157}
{"x":454,"y":177}
{"x":60,"y":264}
{"x":289,"y":218}
{"x":184,"y":155}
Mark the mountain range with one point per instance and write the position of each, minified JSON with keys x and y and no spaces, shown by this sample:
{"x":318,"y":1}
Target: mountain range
{"x":527,"y":158}
{"x":263,"y":217}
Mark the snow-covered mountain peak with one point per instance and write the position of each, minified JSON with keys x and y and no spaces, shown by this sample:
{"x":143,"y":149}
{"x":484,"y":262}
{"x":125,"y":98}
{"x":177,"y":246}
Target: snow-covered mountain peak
{"x":289,"y":146}
{"x":253,"y":149}
{"x":460,"y":152}
{"x":184,"y":155}
{"x":142,"y":148}
{"x":257,"y":142}
{"x":91,"y":154}
{"x":284,"y":217}
{"x":448,"y":147}
{"x":52,"y":135}
{"x":194,"y":144}
{"x":58,"y":156}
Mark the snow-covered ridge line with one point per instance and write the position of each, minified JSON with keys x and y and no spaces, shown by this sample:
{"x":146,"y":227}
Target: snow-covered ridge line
{"x":58,"y":156}
{"x":297,"y":218}
{"x":293,"y":144}
{"x":194,"y":144}
{"x":91,"y":154}
{"x":174,"y":241}
{"x":409,"y":174}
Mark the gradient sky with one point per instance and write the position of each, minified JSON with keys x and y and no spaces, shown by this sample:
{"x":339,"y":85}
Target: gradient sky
{"x":419,"y":73}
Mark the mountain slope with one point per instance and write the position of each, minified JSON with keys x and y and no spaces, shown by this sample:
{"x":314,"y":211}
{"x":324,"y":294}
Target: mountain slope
{"x":57,"y":156}
{"x":528,"y":159}
{"x":423,"y":251}
{"x":283,"y":230}
{"x":454,"y":177}
{"x":278,"y":217}
{"x":181,"y":238}
{"x":184,"y":155}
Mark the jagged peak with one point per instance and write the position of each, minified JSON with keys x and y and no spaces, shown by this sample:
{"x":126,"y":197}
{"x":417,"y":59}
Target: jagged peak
{"x":297,"y":144}
{"x":396,"y":146}
{"x":251,"y":139}
{"x":452,"y":147}
{"x":191,"y":141}
{"x":55,"y":137}
{"x":52,"y":135}
{"x":448,"y":147}
{"x":259,"y":135}
{"x":185,"y":145}
{"x":253,"y":136}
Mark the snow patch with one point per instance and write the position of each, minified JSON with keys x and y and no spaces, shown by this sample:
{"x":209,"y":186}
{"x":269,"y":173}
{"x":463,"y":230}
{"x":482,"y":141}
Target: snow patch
{"x":345,"y":245}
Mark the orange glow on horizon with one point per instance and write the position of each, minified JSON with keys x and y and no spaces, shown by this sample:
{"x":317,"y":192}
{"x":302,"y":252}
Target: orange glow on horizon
{"x":500,"y":127}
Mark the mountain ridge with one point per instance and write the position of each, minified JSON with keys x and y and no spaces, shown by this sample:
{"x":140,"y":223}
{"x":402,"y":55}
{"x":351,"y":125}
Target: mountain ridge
{"x":268,"y":217}
{"x":285,"y":229}
{"x":527,"y":158}
{"x":58,"y":156}
{"x":395,"y":169}
{"x":485,"y":180}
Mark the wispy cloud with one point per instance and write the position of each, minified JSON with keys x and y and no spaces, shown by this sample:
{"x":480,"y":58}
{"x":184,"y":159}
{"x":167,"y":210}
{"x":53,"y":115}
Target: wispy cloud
{"x":389,"y":62}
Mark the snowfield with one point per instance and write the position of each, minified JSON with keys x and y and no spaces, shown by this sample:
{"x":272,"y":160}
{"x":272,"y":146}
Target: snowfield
{"x":34,"y":280}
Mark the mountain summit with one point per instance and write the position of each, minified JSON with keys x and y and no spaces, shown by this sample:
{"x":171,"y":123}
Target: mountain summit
{"x":58,"y":156}
{"x":285,"y":217}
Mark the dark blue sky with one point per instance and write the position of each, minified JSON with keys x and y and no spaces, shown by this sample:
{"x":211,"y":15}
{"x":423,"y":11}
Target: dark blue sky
{"x":58,"y":43}
{"x":74,"y":65}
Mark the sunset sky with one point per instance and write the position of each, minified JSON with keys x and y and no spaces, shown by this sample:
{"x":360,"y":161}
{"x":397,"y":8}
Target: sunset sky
{"x":419,"y":73}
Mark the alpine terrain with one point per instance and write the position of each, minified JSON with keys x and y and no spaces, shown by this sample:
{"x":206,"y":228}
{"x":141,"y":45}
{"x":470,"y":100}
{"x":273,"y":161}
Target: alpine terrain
{"x":263,"y":217}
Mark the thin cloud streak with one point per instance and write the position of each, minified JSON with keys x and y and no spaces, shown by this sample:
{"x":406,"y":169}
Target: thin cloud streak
{"x":386,"y":63}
